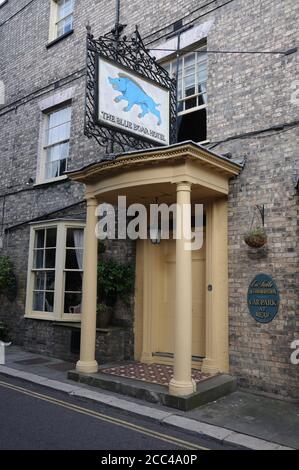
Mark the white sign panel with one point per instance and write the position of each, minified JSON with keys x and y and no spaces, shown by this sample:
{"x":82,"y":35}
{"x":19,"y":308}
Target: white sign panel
{"x":132,"y":104}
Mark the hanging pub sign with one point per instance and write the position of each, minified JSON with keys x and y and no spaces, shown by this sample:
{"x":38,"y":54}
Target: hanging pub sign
{"x":132,"y":104}
{"x":130,"y":98}
{"x":263,"y":298}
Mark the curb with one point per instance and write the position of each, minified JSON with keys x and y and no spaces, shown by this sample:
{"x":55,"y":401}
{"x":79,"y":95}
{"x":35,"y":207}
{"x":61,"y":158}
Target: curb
{"x":216,"y":433}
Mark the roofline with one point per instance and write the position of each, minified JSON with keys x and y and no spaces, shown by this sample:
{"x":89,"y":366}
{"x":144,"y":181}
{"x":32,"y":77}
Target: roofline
{"x":154,"y":150}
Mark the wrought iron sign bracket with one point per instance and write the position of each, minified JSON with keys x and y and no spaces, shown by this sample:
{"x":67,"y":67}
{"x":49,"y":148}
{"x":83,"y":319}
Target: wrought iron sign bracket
{"x":131,"y":54}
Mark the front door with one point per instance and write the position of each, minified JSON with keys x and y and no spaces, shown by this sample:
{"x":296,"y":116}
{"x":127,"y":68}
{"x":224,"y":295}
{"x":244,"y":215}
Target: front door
{"x":164,"y":287}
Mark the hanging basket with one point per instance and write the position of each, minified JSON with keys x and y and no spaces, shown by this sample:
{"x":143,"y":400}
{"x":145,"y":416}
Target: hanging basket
{"x":256,"y":238}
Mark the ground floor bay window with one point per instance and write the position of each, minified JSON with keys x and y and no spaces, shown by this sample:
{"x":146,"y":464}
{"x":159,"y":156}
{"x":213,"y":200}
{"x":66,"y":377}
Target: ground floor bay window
{"x":55,"y":270}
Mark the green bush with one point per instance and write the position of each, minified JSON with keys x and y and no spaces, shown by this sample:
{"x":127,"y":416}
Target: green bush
{"x":7,"y":277}
{"x":3,"y":332}
{"x":115,"y":280}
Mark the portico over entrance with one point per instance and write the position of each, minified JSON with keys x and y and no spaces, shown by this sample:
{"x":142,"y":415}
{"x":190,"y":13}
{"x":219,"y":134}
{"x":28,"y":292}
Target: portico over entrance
{"x":181,"y":296}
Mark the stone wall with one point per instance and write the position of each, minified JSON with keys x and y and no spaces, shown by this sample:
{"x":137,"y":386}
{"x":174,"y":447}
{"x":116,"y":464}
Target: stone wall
{"x":62,"y":340}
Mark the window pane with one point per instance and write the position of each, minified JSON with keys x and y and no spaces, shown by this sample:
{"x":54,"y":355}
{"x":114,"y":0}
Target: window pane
{"x":71,"y":261}
{"x":38,"y":259}
{"x":57,"y":160}
{"x":39,"y":238}
{"x":38,"y":301}
{"x":68,"y":24}
{"x":49,"y":301}
{"x":51,"y":237}
{"x":189,"y":86}
{"x":65,"y":25}
{"x":59,"y":117}
{"x":58,"y":125}
{"x":74,"y":237}
{"x":59,"y":133}
{"x":52,"y":170}
{"x":202,"y":76}
{"x":73,"y":281}
{"x":50,"y":258}
{"x":62,"y":166}
{"x":50,"y":280}
{"x":189,"y":60}
{"x":189,"y":104}
{"x":53,"y":154}
{"x":65,"y":7}
{"x":40,"y":281}
{"x":72,"y":303}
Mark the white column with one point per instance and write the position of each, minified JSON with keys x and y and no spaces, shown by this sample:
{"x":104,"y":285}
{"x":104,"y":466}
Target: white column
{"x":87,"y":362}
{"x":182,"y":384}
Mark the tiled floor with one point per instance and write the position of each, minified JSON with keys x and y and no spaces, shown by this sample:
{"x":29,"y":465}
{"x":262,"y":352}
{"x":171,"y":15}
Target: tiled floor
{"x":154,"y":373}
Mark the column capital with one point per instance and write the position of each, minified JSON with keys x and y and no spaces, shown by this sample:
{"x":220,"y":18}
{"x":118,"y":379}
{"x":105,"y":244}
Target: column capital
{"x":183,"y":186}
{"x":92,"y":201}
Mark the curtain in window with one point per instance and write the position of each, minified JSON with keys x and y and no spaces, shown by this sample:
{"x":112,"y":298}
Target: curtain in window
{"x":78,"y":241}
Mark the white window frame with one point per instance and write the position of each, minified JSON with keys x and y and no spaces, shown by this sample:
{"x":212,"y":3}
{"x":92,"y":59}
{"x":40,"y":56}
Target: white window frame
{"x":42,"y":153}
{"x":172,"y":63}
{"x":53,"y":30}
{"x":58,"y":313}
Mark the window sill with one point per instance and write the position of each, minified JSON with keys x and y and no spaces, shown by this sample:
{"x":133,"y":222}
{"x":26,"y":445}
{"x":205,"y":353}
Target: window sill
{"x":54,"y":180}
{"x":37,"y":316}
{"x":60,"y":38}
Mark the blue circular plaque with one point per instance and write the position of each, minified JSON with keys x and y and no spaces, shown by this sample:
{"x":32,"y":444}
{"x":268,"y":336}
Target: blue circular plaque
{"x":263,"y":298}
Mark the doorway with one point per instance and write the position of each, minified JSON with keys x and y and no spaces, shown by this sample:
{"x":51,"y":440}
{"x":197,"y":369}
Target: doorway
{"x":155,"y":324}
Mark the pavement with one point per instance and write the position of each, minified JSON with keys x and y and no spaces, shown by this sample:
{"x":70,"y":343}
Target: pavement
{"x":239,"y":419}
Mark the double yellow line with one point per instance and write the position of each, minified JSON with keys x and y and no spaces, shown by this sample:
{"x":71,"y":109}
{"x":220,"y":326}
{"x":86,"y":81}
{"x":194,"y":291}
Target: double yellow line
{"x":106,"y":418}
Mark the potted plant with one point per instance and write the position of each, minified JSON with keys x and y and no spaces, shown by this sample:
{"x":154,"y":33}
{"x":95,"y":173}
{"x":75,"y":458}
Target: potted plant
{"x":115,"y":281}
{"x":256,"y":237}
{"x":104,"y":315}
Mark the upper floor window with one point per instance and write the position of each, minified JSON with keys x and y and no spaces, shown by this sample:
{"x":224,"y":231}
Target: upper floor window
{"x":192,"y":95}
{"x":56,"y":143}
{"x":64,"y":22}
{"x":55,"y":270}
{"x":61,"y":18}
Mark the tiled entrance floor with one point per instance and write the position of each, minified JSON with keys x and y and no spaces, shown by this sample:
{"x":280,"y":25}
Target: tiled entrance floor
{"x":154,"y":373}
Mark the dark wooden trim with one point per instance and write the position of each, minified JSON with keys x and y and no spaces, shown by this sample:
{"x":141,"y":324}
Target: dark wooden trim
{"x":60,"y":38}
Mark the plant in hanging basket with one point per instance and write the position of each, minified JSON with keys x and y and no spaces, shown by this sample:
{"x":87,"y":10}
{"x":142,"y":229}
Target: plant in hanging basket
{"x":256,"y":238}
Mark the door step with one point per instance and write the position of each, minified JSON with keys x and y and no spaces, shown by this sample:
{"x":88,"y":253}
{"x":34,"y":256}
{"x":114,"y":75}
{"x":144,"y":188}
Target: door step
{"x":208,"y":390}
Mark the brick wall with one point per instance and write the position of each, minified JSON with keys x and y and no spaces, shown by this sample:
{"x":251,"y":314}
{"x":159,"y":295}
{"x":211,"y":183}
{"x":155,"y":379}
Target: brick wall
{"x":247,"y":93}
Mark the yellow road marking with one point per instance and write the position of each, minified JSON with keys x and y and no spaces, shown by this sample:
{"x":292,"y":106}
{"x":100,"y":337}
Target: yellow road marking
{"x":107,"y":418}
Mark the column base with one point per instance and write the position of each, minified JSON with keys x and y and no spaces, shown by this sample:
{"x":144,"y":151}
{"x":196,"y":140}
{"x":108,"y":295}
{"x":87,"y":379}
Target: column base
{"x":209,"y":366}
{"x":87,"y":367}
{"x":147,"y":358}
{"x":181,"y":389}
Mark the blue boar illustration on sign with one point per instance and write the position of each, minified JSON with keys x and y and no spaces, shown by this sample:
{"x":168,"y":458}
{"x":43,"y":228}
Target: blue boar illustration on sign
{"x":133,"y":93}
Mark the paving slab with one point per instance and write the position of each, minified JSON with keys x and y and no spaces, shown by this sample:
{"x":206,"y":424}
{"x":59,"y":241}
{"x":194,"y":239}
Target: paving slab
{"x":268,"y":418}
